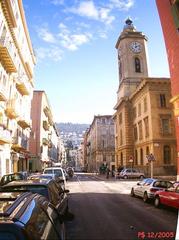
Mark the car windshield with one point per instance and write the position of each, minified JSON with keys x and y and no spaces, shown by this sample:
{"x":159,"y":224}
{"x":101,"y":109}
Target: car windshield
{"x":163,"y":184}
{"x":32,"y":188}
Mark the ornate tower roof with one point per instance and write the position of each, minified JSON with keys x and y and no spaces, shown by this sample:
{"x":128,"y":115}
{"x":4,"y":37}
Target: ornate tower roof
{"x":129,"y":25}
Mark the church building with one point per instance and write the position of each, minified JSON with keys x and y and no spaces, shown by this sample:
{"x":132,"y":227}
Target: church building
{"x":144,"y":120}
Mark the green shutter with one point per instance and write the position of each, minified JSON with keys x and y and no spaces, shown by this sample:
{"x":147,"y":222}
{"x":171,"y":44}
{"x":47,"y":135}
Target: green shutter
{"x":175,"y":13}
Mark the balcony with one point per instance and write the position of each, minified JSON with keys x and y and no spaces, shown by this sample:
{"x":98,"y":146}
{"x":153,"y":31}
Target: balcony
{"x":19,"y":144}
{"x":45,"y":125}
{"x":5,"y":136}
{"x":9,"y":12}
{"x":23,"y":86}
{"x":45,"y":141}
{"x":3,"y":93}
{"x":24,"y":123}
{"x":6,"y":56}
{"x":12,"y":109}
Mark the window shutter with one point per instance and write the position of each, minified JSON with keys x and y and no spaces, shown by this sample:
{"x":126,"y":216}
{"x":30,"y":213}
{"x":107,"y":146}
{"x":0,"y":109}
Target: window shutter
{"x":175,"y":13}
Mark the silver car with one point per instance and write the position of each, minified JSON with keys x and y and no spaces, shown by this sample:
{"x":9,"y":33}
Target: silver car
{"x":146,"y":189}
{"x":131,"y":173}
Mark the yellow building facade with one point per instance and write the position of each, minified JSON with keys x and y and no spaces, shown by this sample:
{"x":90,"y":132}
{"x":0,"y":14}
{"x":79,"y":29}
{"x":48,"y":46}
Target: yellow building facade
{"x":144,"y":121}
{"x":17,"y":62}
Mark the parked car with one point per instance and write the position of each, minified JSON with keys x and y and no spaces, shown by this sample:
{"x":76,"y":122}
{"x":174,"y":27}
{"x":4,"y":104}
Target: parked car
{"x":58,"y":171}
{"x":168,"y":197}
{"x":12,"y":177}
{"x":48,"y":188}
{"x":146,"y":188}
{"x":131,"y":173}
{"x":26,"y":216}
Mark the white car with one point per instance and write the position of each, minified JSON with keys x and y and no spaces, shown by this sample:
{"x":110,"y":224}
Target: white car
{"x":147,"y":188}
{"x":57,"y":171}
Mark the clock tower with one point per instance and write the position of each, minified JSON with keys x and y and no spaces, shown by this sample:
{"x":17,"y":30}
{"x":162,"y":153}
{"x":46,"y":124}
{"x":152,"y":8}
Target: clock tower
{"x":132,"y":59}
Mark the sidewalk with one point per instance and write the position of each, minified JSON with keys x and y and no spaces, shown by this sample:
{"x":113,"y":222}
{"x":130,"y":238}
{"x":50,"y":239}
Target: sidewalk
{"x":103,"y":177}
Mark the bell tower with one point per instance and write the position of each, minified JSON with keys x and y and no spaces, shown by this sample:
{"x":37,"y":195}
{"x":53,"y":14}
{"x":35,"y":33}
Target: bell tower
{"x":132,"y":59}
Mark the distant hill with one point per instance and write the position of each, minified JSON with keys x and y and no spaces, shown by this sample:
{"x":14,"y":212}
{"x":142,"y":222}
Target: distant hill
{"x":72,"y":127}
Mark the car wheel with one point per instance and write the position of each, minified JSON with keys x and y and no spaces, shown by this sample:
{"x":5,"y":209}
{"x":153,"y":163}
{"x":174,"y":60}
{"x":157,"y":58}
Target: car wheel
{"x":145,"y":197}
{"x":125,"y":177}
{"x":157,"y":202}
{"x":132,"y":193}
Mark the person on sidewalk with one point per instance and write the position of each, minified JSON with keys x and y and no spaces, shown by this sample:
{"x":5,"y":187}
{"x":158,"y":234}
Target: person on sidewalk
{"x":107,"y":172}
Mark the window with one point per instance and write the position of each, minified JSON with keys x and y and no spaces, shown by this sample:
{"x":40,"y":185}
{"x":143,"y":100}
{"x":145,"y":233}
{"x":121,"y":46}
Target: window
{"x":147,"y":150}
{"x":137,"y":65}
{"x":136,"y":157}
{"x":120,"y":118}
{"x":146,"y":126}
{"x":145,"y":104}
{"x":135,"y":132}
{"x":134,"y":112}
{"x":139,"y":109}
{"x":175,"y":13}
{"x":166,"y":126}
{"x":121,"y":137}
{"x":167,"y":154}
{"x":162,"y":100}
{"x":141,"y":157}
{"x":140,"y":130}
{"x":121,"y":159}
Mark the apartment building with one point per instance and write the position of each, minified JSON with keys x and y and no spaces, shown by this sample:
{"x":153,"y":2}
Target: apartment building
{"x":100,"y":143}
{"x":44,"y":135}
{"x":144,"y":121}
{"x":169,"y":17}
{"x":17,"y":62}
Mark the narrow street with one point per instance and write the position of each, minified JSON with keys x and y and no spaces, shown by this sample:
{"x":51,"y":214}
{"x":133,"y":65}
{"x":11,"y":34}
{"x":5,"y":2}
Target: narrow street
{"x":104,"y":209}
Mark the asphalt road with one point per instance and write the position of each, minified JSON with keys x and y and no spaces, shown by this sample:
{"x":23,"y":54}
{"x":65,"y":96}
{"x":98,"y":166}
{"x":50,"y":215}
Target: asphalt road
{"x":104,"y":210}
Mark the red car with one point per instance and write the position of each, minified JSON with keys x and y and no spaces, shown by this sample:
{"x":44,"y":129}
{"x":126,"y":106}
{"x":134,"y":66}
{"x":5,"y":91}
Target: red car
{"x":169,"y":197}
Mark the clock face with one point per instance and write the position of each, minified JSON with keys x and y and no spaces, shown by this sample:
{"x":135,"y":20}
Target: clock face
{"x":136,"y":47}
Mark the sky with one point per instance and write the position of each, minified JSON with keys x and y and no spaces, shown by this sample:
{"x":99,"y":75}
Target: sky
{"x":74,"y":42}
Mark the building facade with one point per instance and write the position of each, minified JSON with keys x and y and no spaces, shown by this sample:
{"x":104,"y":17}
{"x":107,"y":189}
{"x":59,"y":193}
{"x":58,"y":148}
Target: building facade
{"x":100,"y":143}
{"x":169,"y":17}
{"x":44,"y":136}
{"x":16,"y":87}
{"x":144,"y":121}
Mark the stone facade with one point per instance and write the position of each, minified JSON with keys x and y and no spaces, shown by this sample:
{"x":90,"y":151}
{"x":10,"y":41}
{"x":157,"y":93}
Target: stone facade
{"x":100,"y":143}
{"x":144,"y":121}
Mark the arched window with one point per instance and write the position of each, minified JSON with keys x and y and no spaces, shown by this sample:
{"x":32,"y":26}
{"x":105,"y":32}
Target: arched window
{"x":136,"y":157}
{"x":147,"y":150}
{"x":141,"y":157}
{"x":121,"y":159}
{"x":167,"y":154}
{"x":137,"y":65}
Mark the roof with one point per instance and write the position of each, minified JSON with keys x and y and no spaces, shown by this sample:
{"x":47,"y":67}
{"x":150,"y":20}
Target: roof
{"x":28,"y":182}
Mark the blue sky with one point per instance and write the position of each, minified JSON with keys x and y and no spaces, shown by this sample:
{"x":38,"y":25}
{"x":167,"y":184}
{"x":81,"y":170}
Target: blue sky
{"x":74,"y":42}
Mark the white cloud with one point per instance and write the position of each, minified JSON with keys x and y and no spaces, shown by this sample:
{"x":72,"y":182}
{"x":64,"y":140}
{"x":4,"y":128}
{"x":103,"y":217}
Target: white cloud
{"x":57,"y":2}
{"x":122,"y":5}
{"x":105,"y":17}
{"x":86,"y":9}
{"x":73,"y":41}
{"x":54,"y":53}
{"x":46,"y":35}
{"x":89,"y":10}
